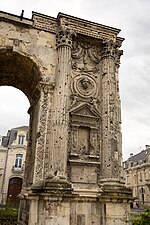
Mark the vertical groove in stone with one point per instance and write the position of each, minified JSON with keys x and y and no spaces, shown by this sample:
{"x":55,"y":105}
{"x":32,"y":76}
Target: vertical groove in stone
{"x":61,"y":109}
{"x":107,"y":89}
{"x":111,"y":130}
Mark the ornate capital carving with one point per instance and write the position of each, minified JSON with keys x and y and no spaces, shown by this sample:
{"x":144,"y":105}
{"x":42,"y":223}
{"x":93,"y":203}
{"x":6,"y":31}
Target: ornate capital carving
{"x":118,"y":54}
{"x":64,"y":37}
{"x":46,"y":85}
{"x":109,"y":48}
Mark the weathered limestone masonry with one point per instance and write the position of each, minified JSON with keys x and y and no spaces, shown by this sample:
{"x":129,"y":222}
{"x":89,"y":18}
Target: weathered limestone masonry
{"x":68,"y":69}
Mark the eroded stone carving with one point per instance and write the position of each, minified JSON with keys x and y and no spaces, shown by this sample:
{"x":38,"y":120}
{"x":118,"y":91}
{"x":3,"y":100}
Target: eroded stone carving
{"x":46,"y":89}
{"x":84,"y":86}
{"x":64,"y":36}
{"x":85,"y":56}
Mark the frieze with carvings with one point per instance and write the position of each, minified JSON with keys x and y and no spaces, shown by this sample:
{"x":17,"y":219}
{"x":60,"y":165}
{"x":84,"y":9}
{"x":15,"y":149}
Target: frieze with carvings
{"x":85,"y":56}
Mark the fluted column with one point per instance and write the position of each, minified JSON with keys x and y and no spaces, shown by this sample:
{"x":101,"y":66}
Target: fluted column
{"x":60,"y":117}
{"x":111,"y":133}
{"x":118,"y":54}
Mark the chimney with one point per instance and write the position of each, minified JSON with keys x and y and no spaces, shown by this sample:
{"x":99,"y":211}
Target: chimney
{"x":131,"y":154}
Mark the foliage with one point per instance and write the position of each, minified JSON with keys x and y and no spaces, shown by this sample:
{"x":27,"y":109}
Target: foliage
{"x":8,"y":216}
{"x":141,"y":219}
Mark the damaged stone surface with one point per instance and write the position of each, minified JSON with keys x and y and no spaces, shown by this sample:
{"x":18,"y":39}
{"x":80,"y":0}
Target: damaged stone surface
{"x":68,"y":69}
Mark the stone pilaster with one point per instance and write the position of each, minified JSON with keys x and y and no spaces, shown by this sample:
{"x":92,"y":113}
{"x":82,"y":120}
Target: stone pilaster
{"x":41,"y":150}
{"x":111,"y":134}
{"x":60,"y":117}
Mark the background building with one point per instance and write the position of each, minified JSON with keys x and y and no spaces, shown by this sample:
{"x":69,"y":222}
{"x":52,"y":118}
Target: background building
{"x":137,"y":176}
{"x":1,"y":139}
{"x":12,"y":158}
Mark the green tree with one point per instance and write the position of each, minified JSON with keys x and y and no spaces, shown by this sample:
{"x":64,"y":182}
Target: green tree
{"x":142,"y":218}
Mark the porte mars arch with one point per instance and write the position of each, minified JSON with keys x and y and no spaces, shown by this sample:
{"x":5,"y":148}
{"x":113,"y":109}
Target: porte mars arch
{"x":68,"y":69}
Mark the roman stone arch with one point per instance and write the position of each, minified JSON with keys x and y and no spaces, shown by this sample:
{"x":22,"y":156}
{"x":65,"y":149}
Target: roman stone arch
{"x":68,"y":69}
{"x":20,"y":71}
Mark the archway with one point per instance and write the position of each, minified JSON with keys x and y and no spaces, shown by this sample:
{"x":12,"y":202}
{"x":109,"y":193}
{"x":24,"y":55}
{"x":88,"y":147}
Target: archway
{"x":14,"y":108}
{"x":21,"y":72}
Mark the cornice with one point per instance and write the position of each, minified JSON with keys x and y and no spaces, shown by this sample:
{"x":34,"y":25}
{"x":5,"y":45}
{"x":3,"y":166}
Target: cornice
{"x":88,"y":28}
{"x":51,"y":24}
{"x":79,"y":26}
{"x":139,"y":167}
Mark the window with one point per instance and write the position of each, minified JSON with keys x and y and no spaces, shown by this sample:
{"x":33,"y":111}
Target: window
{"x":141,"y":177}
{"x":18,"y":161}
{"x":21,"y":140}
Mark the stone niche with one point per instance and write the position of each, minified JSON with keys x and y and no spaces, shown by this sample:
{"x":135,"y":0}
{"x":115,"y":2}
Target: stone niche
{"x":84,"y":152}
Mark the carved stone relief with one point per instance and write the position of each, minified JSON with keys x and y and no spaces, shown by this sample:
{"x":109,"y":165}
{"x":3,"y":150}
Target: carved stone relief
{"x":84,"y":86}
{"x":46,"y":88}
{"x":86,"y":57}
{"x":64,"y":36}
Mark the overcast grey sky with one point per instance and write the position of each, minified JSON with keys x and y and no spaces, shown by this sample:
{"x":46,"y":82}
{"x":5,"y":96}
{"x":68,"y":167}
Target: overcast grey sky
{"x":133,"y":18}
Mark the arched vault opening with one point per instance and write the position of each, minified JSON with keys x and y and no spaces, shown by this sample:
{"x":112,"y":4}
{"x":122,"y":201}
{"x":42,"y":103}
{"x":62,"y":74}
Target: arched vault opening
{"x":18,"y":71}
{"x":23,"y":73}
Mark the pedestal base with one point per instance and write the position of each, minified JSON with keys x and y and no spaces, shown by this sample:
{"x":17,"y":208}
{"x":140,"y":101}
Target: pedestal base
{"x":55,"y":205}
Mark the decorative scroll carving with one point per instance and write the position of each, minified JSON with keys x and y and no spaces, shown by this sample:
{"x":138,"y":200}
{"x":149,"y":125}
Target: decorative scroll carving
{"x":45,"y":89}
{"x":86,"y":57}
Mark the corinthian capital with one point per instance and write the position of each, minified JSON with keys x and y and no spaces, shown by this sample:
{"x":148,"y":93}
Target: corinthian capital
{"x":64,"y":37}
{"x":118,"y":54}
{"x":109,"y":48}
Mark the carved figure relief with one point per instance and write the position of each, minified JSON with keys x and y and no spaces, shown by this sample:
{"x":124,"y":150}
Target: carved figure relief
{"x":84,"y":86}
{"x":83,"y":140}
{"x":93,"y":143}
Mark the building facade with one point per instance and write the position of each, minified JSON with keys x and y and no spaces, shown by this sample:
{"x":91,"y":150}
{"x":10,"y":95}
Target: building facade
{"x":12,"y":160}
{"x":137,"y":176}
{"x":69,"y":70}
